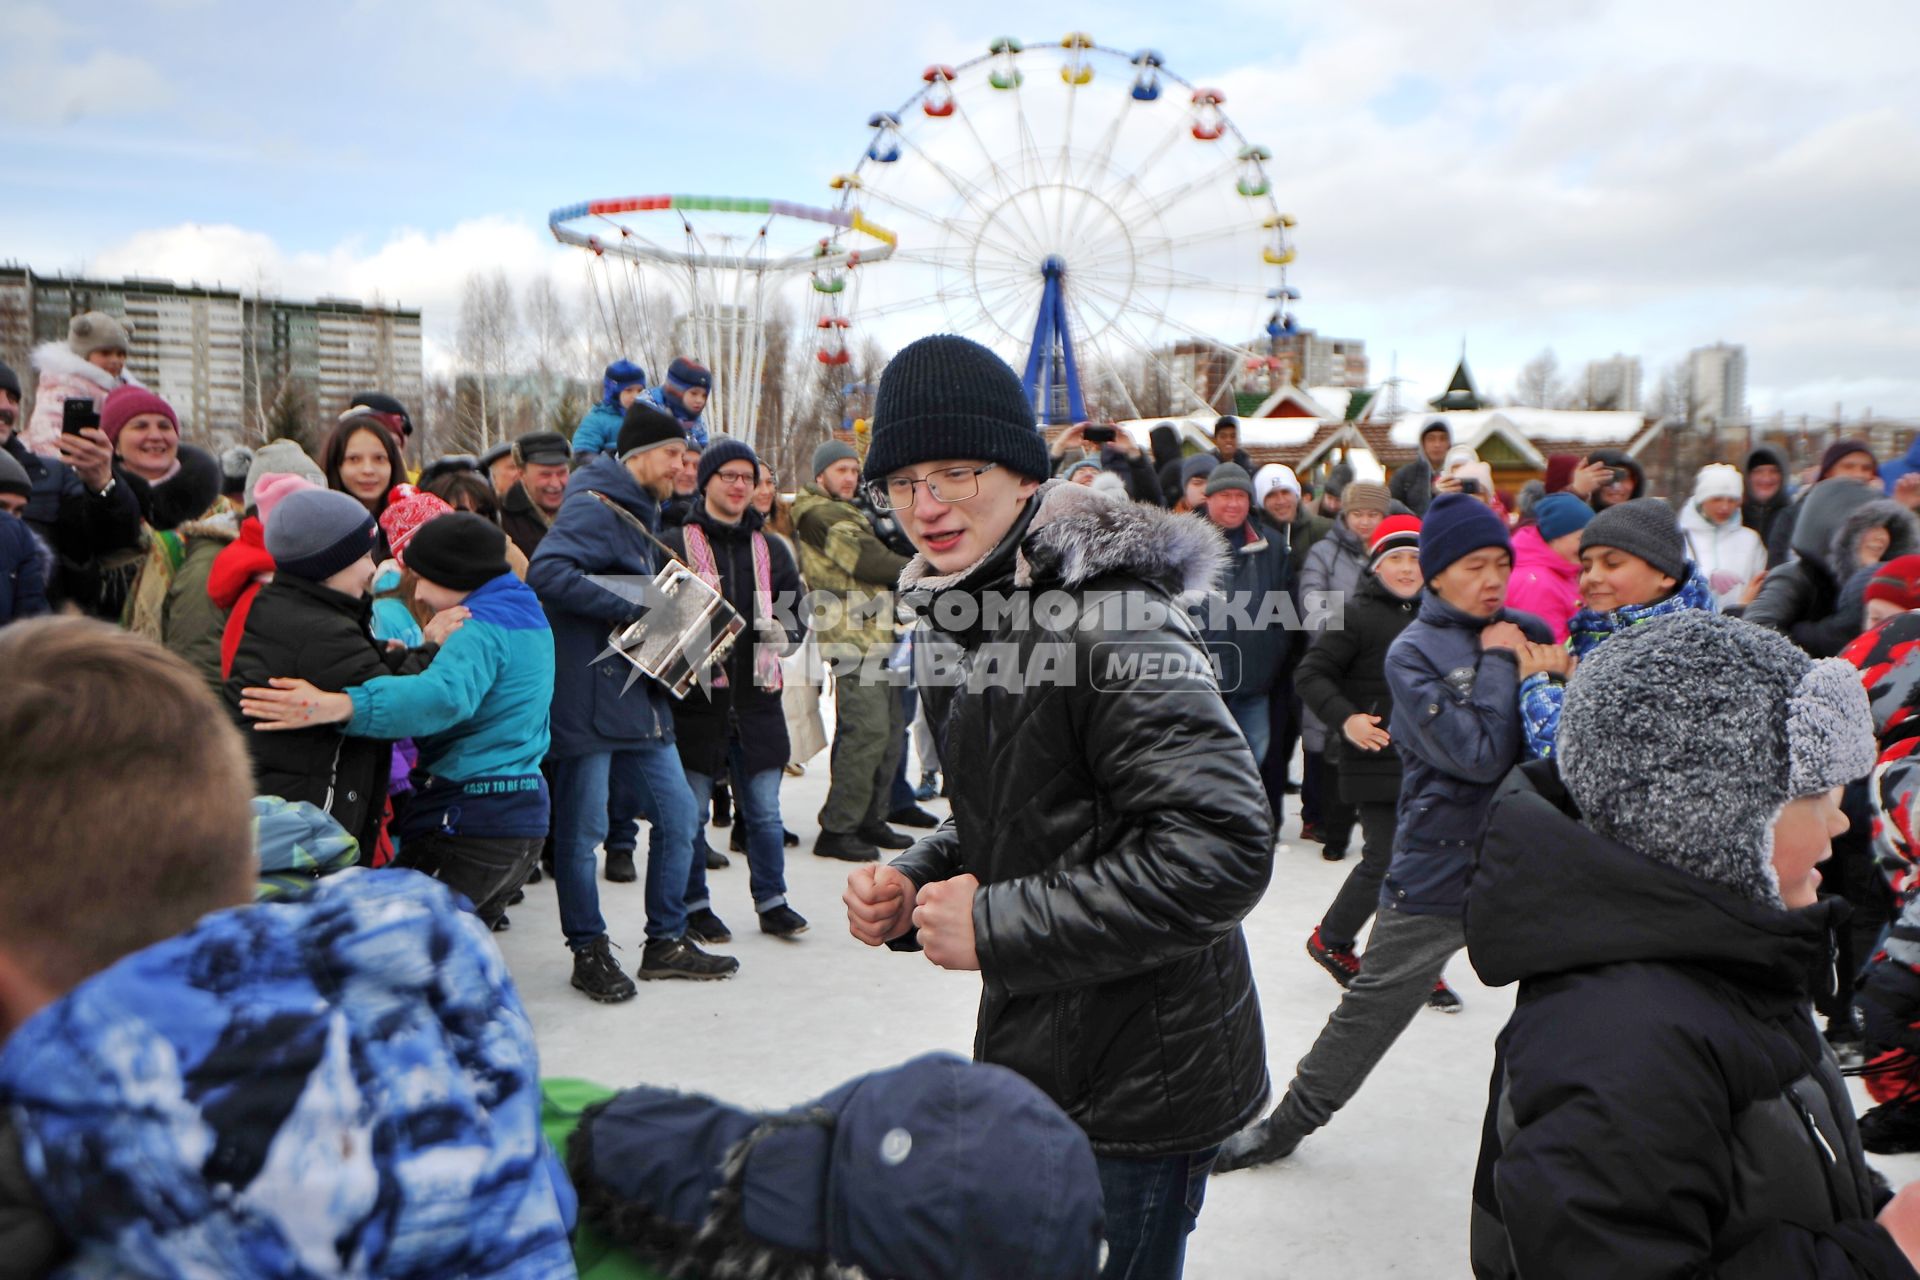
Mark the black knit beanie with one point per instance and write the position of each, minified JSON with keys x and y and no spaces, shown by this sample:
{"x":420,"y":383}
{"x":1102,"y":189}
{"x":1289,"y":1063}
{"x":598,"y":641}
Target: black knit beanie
{"x":646,"y":427}
{"x":459,"y":551}
{"x":949,"y":397}
{"x":719,"y":452}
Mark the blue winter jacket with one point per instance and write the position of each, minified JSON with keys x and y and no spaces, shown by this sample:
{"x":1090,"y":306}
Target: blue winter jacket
{"x":599,"y":431}
{"x":695,"y":428}
{"x":480,"y":710}
{"x":1456,"y":723}
{"x":1541,"y":694}
{"x":594,"y":709}
{"x":343,"y":1083}
{"x":23,"y":571}
{"x":1906,"y":463}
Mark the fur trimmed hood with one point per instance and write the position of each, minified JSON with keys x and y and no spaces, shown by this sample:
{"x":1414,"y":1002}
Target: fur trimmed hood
{"x":1902,"y":529}
{"x":58,"y":358}
{"x":1073,"y":535}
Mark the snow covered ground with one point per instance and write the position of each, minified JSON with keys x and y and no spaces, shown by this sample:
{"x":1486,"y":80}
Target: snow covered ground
{"x":1382,"y":1191}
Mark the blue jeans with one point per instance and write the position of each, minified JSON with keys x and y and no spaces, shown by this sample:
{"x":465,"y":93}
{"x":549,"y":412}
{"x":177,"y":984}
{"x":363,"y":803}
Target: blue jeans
{"x":1152,"y":1205}
{"x":758,"y":798}
{"x":1250,"y":712}
{"x":651,"y":774}
{"x":902,"y":795}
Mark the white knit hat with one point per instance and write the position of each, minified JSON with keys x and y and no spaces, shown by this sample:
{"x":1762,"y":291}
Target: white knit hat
{"x":1718,"y":480}
{"x":1274,"y":476}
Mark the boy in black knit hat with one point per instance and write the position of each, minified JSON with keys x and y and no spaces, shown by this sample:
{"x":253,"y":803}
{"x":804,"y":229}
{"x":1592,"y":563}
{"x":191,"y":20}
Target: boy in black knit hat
{"x":478,"y":715}
{"x":1109,"y":828}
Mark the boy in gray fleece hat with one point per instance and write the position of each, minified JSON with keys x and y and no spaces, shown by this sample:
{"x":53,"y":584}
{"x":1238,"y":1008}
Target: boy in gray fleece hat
{"x":1662,"y":1102}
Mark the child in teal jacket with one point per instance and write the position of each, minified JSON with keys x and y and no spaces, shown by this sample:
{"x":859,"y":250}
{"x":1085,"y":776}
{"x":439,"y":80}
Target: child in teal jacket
{"x":478,"y":715}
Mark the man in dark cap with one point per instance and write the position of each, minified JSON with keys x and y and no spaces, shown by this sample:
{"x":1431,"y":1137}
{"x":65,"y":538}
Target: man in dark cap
{"x":502,"y":468}
{"x":528,"y":509}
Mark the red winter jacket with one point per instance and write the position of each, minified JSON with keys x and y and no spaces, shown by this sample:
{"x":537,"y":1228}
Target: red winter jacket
{"x":236,"y":577}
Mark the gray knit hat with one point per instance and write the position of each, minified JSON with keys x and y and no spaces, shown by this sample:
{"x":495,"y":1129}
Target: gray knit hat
{"x":13,"y":476}
{"x":830,"y":452}
{"x":1684,"y":737}
{"x":1230,"y":475}
{"x":93,"y":331}
{"x":280,"y":458}
{"x":1644,"y":527}
{"x":316,"y":533}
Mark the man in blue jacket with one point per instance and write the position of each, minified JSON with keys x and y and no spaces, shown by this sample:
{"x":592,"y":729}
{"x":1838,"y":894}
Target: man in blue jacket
{"x":1455,"y":674}
{"x":612,"y":727}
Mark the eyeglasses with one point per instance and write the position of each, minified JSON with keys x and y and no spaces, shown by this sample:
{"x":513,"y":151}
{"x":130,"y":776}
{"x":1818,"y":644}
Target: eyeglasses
{"x":950,"y":484}
{"x":736,"y":477}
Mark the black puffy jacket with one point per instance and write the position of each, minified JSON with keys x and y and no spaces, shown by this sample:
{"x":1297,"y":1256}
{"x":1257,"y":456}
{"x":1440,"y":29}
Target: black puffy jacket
{"x":708,"y":717}
{"x":1114,"y":817}
{"x":1800,"y":599}
{"x":1345,"y":674}
{"x":1662,"y":1104}
{"x":302,"y":630}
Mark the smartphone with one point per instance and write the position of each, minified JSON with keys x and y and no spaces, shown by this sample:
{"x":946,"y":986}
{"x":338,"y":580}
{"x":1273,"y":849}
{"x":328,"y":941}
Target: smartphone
{"x":1099,"y":435}
{"x":1469,"y":485}
{"x":78,"y":415}
{"x":1620,"y":476}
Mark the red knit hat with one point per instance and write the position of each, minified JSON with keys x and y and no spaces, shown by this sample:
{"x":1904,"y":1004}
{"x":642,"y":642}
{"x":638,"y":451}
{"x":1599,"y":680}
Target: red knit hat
{"x":1395,"y":533}
{"x":124,"y":404}
{"x":1897,"y":582}
{"x":407,"y":509}
{"x":1560,"y":469}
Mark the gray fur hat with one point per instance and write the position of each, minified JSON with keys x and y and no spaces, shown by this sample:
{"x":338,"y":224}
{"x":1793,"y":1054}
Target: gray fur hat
{"x":279,"y":457}
{"x":92,"y":331}
{"x":1684,"y":737}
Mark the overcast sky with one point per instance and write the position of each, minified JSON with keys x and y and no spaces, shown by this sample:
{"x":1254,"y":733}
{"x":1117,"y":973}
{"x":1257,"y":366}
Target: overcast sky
{"x":1641,"y":176}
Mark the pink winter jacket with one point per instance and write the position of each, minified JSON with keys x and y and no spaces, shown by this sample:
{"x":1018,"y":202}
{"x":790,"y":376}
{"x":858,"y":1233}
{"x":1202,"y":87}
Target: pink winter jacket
{"x":1543,"y":584}
{"x":63,"y":376}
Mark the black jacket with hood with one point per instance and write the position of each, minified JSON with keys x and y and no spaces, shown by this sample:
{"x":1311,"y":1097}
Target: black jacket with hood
{"x":1801,"y":599}
{"x":302,"y":630}
{"x":1662,"y":1103}
{"x":1345,"y":674}
{"x":1113,"y":816}
{"x":1620,"y":460}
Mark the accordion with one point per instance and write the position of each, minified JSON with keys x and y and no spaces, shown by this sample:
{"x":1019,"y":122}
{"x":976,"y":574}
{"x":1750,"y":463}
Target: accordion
{"x":689,"y":628}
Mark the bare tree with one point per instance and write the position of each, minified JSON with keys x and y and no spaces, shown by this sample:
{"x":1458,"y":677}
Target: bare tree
{"x":1673,"y":396}
{"x":1540,"y":385}
{"x":553,"y":344}
{"x":486,"y":339}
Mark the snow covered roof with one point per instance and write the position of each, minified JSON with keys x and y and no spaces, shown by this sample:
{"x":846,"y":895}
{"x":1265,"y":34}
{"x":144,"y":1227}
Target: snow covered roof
{"x":1304,"y":403}
{"x":1277,"y":432}
{"x":1334,"y":400}
{"x":1526,"y":428}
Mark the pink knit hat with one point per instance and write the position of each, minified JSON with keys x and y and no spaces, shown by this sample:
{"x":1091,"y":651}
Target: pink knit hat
{"x":124,"y":404}
{"x":271,"y":489}
{"x":407,"y":509}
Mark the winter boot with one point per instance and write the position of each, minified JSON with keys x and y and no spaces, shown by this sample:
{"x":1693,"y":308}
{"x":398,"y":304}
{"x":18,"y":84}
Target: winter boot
{"x":1339,"y":961}
{"x":844,"y":846}
{"x":882,"y":836}
{"x":782,"y":922}
{"x":597,"y":973}
{"x":620,"y":866}
{"x":929,"y":786}
{"x":913,"y":816}
{"x":707,"y":928}
{"x":716,"y":860}
{"x":1444,"y":998}
{"x":680,"y":958}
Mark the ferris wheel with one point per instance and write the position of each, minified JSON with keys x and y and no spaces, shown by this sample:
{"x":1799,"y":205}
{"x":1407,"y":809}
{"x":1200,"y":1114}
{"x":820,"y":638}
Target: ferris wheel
{"x":1094,"y":217}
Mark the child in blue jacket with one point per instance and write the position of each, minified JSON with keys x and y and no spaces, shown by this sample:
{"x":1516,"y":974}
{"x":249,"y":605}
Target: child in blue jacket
{"x":478,"y":715}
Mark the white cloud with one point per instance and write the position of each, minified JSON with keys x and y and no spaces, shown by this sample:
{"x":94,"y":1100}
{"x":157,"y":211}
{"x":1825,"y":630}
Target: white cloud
{"x":411,"y":268}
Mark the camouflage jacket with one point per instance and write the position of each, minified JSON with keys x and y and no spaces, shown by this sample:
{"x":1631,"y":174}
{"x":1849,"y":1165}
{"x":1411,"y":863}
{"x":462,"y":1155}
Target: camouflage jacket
{"x":840,"y":554}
